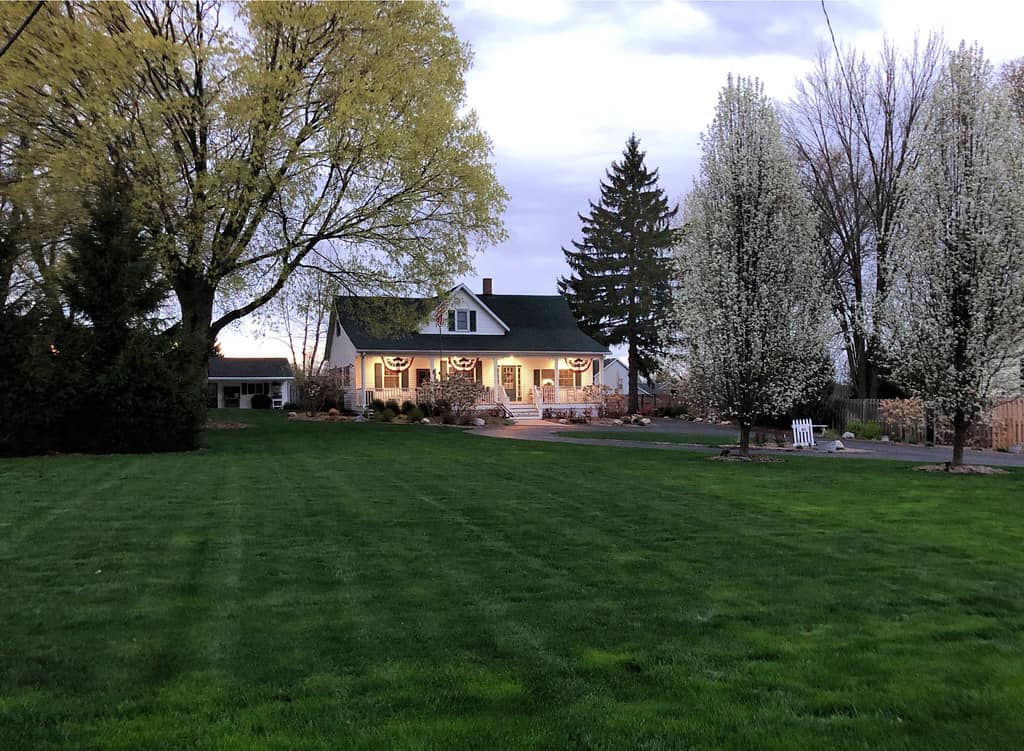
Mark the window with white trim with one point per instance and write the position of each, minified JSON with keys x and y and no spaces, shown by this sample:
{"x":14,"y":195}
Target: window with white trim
{"x":462,"y":320}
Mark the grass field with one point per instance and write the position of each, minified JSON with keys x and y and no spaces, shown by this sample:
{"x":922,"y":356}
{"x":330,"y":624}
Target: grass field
{"x":654,"y":436}
{"x":325,"y":586}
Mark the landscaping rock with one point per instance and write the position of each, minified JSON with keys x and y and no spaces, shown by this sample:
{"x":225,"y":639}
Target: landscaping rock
{"x":645,"y":421}
{"x":848,"y":435}
{"x":698,"y":419}
{"x":332,"y":412}
{"x":360,"y":418}
{"x":885,"y":439}
{"x":479,"y":422}
{"x":616,"y":422}
{"x":424,"y":421}
{"x":831,"y":447}
{"x":292,"y":415}
{"x":563,"y":421}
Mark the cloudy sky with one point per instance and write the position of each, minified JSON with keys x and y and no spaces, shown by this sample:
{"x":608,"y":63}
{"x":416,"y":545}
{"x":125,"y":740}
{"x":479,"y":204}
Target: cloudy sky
{"x":559,"y":87}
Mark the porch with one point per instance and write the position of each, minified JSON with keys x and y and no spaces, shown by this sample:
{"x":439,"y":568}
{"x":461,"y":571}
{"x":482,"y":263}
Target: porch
{"x":522,"y":385}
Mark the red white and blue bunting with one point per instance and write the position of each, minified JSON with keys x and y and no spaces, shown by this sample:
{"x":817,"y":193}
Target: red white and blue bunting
{"x":462,"y":364}
{"x":397,"y":364}
{"x":578,"y":364}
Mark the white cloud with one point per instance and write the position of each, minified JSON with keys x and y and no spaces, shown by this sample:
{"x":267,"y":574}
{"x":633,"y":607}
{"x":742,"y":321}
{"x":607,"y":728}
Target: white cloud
{"x":540,"y":12}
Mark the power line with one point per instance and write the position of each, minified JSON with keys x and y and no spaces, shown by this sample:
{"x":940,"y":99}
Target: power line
{"x":14,"y":37}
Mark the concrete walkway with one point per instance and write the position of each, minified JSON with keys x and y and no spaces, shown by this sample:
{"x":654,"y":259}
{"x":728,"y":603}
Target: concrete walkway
{"x":633,"y":437}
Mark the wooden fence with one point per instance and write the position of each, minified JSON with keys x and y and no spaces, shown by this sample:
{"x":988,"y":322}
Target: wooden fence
{"x":1008,"y":424}
{"x":1005,"y":429}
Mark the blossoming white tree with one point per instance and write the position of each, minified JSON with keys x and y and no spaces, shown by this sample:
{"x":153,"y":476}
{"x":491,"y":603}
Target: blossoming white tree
{"x":750,"y":300}
{"x":957,"y":297}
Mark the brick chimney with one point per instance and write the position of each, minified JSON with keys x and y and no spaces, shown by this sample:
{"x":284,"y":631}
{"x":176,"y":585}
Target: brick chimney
{"x":488,"y":286}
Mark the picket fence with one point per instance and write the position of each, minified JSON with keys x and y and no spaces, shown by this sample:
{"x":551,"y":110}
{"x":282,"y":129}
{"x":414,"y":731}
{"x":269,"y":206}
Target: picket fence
{"x":1004,"y":430}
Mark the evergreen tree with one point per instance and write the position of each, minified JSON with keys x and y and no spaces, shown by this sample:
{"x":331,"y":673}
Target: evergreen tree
{"x":127,"y":379}
{"x":619,"y":290}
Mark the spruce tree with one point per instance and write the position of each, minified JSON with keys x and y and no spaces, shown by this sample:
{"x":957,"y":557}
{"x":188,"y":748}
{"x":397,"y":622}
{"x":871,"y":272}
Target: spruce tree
{"x":619,"y":289}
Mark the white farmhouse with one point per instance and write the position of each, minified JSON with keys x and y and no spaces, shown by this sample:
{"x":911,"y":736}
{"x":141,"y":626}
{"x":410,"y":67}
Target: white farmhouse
{"x":526,"y":350}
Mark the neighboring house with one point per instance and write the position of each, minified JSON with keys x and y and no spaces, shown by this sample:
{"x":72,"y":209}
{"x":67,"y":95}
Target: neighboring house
{"x":526,"y":350}
{"x":616,"y":377}
{"x":233,"y":381}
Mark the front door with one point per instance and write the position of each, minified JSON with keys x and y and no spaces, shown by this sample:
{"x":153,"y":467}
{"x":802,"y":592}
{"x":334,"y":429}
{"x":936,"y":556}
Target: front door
{"x":510,"y":382}
{"x":231,"y":394}
{"x":422,"y":376}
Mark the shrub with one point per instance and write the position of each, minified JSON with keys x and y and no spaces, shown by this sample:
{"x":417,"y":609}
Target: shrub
{"x":392,"y":405}
{"x":261,"y":401}
{"x":407,"y":407}
{"x":291,"y":407}
{"x":416,"y":414}
{"x":449,"y":418}
{"x":867,"y":430}
{"x":385,"y":415}
{"x":378,"y":405}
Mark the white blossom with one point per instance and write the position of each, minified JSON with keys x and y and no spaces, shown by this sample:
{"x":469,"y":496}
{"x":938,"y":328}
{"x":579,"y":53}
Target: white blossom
{"x":750,"y":299}
{"x":957,"y":299}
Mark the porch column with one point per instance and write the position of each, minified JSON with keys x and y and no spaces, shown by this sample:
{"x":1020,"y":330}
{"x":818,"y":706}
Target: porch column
{"x":600,"y":373}
{"x":433,"y":373}
{"x":497,"y":378}
{"x":558,"y":386}
{"x":362,"y":379}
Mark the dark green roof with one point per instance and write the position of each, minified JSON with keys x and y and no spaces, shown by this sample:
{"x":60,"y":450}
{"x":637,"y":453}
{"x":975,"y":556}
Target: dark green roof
{"x":537,"y":323}
{"x":249,"y":367}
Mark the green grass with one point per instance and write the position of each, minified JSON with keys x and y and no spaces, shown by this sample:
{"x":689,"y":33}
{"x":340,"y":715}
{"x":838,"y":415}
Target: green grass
{"x":326,"y":586}
{"x":654,"y":436}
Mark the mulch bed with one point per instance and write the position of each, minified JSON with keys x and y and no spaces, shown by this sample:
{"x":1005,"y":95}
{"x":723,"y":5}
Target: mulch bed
{"x":963,"y":469}
{"x":728,"y":456}
{"x":225,"y":425}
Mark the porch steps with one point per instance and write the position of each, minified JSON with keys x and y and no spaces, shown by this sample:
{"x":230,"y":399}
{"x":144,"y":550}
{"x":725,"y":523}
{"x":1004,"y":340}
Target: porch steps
{"x":524,"y":411}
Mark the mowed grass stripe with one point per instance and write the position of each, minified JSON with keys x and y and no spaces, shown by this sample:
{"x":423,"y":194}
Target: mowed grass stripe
{"x":368,"y":586}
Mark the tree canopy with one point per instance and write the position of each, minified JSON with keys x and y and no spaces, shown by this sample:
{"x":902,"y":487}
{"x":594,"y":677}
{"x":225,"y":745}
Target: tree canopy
{"x":259,"y":138}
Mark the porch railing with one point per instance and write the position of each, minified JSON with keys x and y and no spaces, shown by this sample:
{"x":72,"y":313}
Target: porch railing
{"x":551,"y":395}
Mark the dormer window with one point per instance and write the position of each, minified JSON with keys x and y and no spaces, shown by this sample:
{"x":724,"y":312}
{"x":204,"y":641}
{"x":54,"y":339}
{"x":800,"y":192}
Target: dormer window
{"x":462,"y":320}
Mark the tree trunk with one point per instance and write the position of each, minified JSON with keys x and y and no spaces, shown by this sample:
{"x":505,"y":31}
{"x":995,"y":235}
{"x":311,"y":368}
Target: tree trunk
{"x":744,"y":439}
{"x":195,"y":297}
{"x":959,"y":437}
{"x":634,"y":373}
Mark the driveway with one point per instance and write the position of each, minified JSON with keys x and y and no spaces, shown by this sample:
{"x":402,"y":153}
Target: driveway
{"x":632,"y":437}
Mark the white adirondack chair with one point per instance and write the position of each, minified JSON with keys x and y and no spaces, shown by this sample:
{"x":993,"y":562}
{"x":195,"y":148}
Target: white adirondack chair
{"x":803,"y":434}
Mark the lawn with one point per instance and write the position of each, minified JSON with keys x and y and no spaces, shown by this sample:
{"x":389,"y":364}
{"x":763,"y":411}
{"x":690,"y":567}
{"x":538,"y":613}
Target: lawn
{"x":335,"y":586}
{"x":654,"y":436}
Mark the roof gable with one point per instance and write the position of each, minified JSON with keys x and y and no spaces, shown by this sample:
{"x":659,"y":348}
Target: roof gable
{"x":462,"y":298}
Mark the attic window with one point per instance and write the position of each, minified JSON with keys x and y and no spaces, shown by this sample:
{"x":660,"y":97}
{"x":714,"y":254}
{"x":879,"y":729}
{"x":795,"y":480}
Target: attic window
{"x":462,"y":320}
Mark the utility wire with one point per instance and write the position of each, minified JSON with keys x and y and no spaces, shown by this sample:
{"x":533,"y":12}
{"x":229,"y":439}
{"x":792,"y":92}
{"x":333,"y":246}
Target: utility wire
{"x":14,"y":37}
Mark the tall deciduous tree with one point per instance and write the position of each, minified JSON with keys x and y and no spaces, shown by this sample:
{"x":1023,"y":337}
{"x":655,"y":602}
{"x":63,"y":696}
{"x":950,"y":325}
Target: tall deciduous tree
{"x":851,"y":125}
{"x":957,"y":262}
{"x":750,"y":299}
{"x":619,"y":288}
{"x":263,"y":136}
